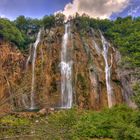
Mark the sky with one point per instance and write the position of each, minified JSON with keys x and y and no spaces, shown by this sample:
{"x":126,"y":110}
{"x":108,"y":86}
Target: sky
{"x":94,"y":8}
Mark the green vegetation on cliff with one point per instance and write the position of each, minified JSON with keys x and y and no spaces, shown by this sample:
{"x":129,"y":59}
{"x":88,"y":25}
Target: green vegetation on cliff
{"x":16,"y":32}
{"x":9,"y":32}
{"x":23,"y":30}
{"x":124,"y":33}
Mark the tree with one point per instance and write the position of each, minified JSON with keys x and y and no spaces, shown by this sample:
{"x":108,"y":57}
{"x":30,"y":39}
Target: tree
{"x":9,"y":32}
{"x":21,"y":23}
{"x":48,"y":21}
{"x":26,"y":23}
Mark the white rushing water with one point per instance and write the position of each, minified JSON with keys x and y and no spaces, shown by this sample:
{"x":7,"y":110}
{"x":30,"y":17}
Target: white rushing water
{"x":33,"y":71}
{"x":107,"y":70}
{"x":66,"y":72}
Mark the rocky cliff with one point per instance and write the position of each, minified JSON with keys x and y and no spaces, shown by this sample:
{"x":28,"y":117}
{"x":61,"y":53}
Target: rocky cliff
{"x":11,"y":70}
{"x":89,"y":75}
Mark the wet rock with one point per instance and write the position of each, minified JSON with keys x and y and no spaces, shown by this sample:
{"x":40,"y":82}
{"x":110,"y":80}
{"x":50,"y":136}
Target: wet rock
{"x":43,"y":111}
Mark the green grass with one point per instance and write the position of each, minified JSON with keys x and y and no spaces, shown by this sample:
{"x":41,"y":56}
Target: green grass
{"x":119,"y":123}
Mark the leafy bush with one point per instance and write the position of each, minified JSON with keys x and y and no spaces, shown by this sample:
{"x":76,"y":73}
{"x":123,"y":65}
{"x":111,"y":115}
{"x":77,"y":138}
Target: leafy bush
{"x":118,"y":123}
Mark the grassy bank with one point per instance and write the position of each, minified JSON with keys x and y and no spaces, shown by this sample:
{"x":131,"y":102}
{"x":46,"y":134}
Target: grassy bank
{"x":119,"y":123}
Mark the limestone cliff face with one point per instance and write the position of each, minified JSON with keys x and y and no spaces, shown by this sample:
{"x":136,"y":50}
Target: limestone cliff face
{"x":11,"y":69}
{"x":128,"y":78}
{"x":90,"y":75}
{"x":88,"y":80}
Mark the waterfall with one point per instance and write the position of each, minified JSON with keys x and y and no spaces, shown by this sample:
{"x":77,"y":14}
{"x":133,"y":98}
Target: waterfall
{"x":66,"y":72}
{"x":29,"y":58}
{"x":97,"y":47}
{"x":33,"y":71}
{"x":107,"y":70}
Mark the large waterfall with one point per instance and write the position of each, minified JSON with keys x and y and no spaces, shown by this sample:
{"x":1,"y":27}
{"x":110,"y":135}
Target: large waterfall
{"x":66,"y":71}
{"x":107,"y":70}
{"x":33,"y":71}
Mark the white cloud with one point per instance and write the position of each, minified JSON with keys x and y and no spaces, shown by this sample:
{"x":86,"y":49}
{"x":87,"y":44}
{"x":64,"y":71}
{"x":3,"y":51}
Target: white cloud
{"x":95,"y":8}
{"x":2,"y":16}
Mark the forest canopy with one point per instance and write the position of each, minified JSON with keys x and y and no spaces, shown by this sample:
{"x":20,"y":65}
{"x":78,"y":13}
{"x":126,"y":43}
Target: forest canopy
{"x":9,"y":32}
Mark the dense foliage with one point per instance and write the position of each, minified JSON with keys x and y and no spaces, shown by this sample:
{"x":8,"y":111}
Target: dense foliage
{"x":24,"y":24}
{"x":29,"y":28}
{"x":119,"y":123}
{"x":23,"y":30}
{"x":17,"y":31}
{"x":9,"y":32}
{"x":48,"y":21}
{"x":125,"y":34}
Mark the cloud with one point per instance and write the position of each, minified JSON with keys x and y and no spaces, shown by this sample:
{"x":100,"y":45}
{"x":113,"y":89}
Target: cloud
{"x":2,"y":16}
{"x":95,"y":8}
{"x":133,"y":10}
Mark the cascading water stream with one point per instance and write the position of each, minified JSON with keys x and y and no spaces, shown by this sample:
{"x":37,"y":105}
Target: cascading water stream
{"x":107,"y":70}
{"x":29,"y":58}
{"x":66,"y":72}
{"x":97,"y":47}
{"x":32,"y":107}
